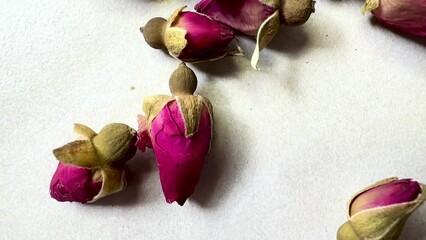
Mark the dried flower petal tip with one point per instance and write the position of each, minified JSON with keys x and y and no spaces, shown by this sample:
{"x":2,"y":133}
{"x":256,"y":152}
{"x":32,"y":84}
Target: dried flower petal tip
{"x":381,"y":210}
{"x":260,"y":18}
{"x":189,"y":36}
{"x":92,"y":167}
{"x":408,"y":16}
{"x":180,"y":127}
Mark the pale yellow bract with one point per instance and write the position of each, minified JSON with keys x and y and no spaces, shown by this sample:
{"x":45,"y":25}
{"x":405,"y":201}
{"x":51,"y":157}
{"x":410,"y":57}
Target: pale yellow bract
{"x":369,"y":5}
{"x":174,"y":37}
{"x":266,"y":33}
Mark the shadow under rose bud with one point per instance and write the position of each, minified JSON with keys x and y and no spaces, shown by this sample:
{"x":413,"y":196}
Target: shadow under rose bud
{"x":381,"y":210}
{"x":189,"y":36}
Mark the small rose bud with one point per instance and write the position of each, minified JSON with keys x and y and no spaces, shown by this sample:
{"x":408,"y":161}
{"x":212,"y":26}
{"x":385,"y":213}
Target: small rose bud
{"x":189,"y":36}
{"x":92,"y":167}
{"x":180,"y":127}
{"x":408,"y":16}
{"x":381,"y":210}
{"x":261,"y":18}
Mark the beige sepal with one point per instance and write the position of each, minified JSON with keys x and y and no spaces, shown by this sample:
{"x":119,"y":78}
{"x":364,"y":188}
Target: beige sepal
{"x":191,"y":107}
{"x":113,"y":180}
{"x":369,"y":6}
{"x":80,"y":152}
{"x":266,"y":33}
{"x":153,"y":104}
{"x":84,"y":131}
{"x":174,"y":37}
{"x":112,"y":144}
{"x":380,"y":223}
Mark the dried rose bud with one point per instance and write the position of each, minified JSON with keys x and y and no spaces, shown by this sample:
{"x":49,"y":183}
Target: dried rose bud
{"x":381,"y":210}
{"x":92,"y":167}
{"x":405,"y":15}
{"x":189,"y":36}
{"x":261,"y":18}
{"x":180,"y":128}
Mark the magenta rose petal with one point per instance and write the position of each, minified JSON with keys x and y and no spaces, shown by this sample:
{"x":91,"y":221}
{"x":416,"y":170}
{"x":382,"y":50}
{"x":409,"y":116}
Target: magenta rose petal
{"x":73,"y":184}
{"x":245,"y":16}
{"x":407,"y":16}
{"x":180,"y":159}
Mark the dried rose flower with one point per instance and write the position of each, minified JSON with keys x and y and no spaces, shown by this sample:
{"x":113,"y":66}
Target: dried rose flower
{"x":179,"y":127}
{"x":92,"y":167}
{"x":189,"y":36}
{"x":261,"y":18}
{"x":381,"y":210}
{"x":405,"y":15}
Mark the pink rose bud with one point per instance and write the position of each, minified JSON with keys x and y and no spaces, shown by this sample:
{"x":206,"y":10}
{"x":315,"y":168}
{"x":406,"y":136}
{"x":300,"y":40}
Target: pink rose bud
{"x":180,"y":127}
{"x":261,"y":18}
{"x":408,"y":16}
{"x":92,"y":167}
{"x":74,"y":184}
{"x":189,"y":36}
{"x":380,"y":211}
{"x":398,"y":191}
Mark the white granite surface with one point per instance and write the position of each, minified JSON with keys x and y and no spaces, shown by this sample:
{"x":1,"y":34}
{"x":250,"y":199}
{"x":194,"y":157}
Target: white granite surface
{"x":340,"y":103}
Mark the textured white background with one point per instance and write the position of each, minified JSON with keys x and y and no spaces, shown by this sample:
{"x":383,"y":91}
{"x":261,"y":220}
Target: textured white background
{"x":340,"y":103}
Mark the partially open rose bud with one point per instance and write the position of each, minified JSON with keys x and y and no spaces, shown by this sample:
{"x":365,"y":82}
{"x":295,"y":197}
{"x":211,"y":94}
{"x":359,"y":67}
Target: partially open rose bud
{"x":381,"y":210}
{"x":180,"y":130}
{"x":92,"y":167}
{"x":189,"y":36}
{"x":261,"y":18}
{"x":405,"y":15}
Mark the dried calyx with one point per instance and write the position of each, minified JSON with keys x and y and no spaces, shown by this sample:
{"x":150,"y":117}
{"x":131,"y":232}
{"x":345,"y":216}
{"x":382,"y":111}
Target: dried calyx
{"x":296,"y":12}
{"x":183,"y":81}
{"x":153,"y":32}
